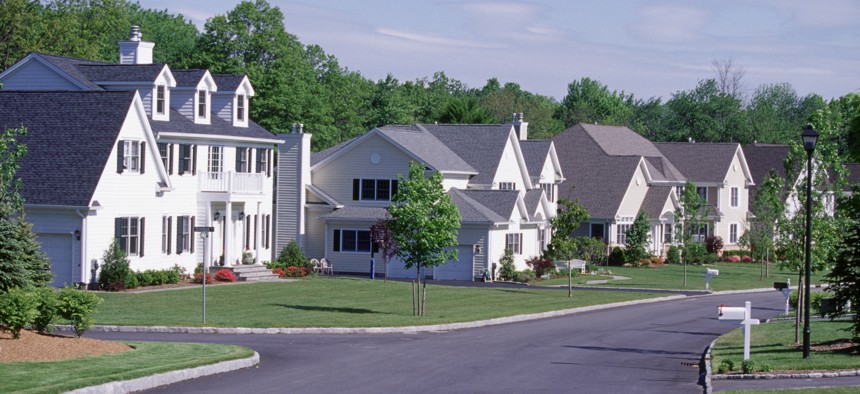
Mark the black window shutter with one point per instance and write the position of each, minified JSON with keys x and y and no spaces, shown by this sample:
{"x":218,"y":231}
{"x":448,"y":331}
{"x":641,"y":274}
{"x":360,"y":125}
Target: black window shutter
{"x":356,"y":185}
{"x":142,"y":157}
{"x":142,"y":232}
{"x":191,"y":235}
{"x":183,"y":152}
{"x":393,"y":188}
{"x":170,"y":159}
{"x":179,"y":223}
{"x":255,"y":230}
{"x":169,"y":233}
{"x":268,"y":231}
{"x":268,"y":153}
{"x":238,"y":161}
{"x":336,"y":241}
{"x":117,"y":232}
{"x":120,"y":154}
{"x":193,"y":160}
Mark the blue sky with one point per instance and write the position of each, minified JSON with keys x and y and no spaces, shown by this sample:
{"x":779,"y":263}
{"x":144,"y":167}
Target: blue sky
{"x":648,"y":48}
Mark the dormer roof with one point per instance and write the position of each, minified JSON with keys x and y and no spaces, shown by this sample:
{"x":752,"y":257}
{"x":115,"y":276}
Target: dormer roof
{"x":535,"y":153}
{"x":218,"y":128}
{"x":125,"y":73}
{"x":195,"y":79}
{"x":233,"y":82}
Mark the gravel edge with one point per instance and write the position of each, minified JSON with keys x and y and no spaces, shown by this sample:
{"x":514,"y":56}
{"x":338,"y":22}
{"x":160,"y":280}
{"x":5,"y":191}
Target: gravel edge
{"x":163,"y":379}
{"x":802,"y":375}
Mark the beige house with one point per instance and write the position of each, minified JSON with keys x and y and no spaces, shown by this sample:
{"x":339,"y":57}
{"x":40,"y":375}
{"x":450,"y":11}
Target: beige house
{"x":331,"y":198}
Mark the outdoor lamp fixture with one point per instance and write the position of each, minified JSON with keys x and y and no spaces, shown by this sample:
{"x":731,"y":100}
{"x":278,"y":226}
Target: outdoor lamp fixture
{"x":242,"y":215}
{"x":78,"y":235}
{"x":217,"y":217}
{"x":810,"y":138}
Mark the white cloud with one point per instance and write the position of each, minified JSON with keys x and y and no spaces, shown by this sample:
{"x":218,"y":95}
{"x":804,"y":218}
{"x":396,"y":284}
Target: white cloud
{"x":433,"y":39}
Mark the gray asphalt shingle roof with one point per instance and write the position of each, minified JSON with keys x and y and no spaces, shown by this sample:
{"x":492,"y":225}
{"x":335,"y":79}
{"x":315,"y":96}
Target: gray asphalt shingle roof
{"x":356,"y":213}
{"x":535,"y":153}
{"x":481,"y":146}
{"x":228,"y":81}
{"x":655,"y":199}
{"x":853,"y":174}
{"x":70,"y":137}
{"x":700,"y":162}
{"x":472,"y":210}
{"x":69,"y":65}
{"x":180,"y":124}
{"x":428,"y":147}
{"x":532,"y":200}
{"x":189,"y":78}
{"x":143,"y":73}
{"x":761,"y":158}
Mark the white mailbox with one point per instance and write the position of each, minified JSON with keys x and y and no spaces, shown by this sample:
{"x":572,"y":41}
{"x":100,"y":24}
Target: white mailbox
{"x":732,"y":313}
{"x":710,"y":273}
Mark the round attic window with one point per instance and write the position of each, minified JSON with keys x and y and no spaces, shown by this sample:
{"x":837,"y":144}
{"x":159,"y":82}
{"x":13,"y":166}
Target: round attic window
{"x":375,"y":158}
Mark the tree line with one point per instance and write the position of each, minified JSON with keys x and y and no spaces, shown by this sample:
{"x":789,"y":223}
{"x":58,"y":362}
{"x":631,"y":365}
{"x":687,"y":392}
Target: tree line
{"x":301,"y":83}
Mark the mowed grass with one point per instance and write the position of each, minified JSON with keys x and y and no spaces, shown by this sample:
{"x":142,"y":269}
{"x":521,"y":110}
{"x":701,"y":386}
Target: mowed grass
{"x":337,"y":302}
{"x":733,"y":276}
{"x":822,"y":390}
{"x":576,"y":280}
{"x":773,"y":344}
{"x":148,"y":358}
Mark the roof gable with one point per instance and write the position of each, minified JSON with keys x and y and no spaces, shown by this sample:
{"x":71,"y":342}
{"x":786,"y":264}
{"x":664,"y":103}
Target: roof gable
{"x":481,"y":146}
{"x":703,"y":162}
{"x":234,"y":83}
{"x":195,"y":79}
{"x":63,"y":67}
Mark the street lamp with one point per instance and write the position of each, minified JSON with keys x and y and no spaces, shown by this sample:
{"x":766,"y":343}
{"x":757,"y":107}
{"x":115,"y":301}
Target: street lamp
{"x":810,"y":137}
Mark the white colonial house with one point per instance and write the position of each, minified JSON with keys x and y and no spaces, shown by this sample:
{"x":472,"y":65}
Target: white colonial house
{"x":331,"y":198}
{"x":140,"y":154}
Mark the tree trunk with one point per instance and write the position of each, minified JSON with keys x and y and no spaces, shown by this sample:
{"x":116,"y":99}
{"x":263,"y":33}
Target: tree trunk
{"x":413,"y":298}
{"x":684,"y":259}
{"x":385,"y":273}
{"x":569,"y":280}
{"x":767,"y":262}
{"x":424,"y":298}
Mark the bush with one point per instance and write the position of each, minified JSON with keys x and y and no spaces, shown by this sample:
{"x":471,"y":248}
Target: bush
{"x":18,"y":309}
{"x":114,"y":272}
{"x":47,"y":309}
{"x":541,"y":266}
{"x":198,"y":278}
{"x":746,"y":259}
{"x":695,"y":253}
{"x":524,"y":276}
{"x":131,"y":281}
{"x":814,"y":301}
{"x":738,"y":253}
{"x":78,"y":307}
{"x":617,"y":257}
{"x":295,"y":272}
{"x":725,"y":366}
{"x":673,"y":255}
{"x":507,"y":270}
{"x":748,"y":366}
{"x":714,"y":244}
{"x":732,"y":259}
{"x":247,"y":258}
{"x":225,"y":275}
{"x":291,"y":255}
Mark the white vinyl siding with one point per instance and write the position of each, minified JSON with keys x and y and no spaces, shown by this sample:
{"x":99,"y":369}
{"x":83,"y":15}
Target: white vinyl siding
{"x":514,"y":243}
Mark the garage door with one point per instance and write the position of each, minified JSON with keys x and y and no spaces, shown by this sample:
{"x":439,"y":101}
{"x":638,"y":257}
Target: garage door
{"x":58,"y":247}
{"x":395,"y":269}
{"x":462,"y":269}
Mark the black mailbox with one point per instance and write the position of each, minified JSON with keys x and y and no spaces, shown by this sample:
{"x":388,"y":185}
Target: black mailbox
{"x":780,"y":285}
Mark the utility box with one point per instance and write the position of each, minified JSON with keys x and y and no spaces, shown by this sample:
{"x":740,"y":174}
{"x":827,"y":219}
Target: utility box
{"x":732,"y":313}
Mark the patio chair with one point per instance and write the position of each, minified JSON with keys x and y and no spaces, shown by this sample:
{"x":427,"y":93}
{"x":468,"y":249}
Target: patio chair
{"x":316,"y":265}
{"x":326,"y":266}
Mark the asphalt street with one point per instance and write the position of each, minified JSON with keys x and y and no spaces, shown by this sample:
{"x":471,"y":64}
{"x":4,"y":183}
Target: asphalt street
{"x":649,"y":348}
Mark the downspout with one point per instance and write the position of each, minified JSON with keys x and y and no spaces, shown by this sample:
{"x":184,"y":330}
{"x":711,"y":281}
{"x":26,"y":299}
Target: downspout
{"x":84,"y":267}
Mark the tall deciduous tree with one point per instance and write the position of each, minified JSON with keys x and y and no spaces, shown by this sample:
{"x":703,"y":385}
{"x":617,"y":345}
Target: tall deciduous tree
{"x":844,"y":279}
{"x":384,"y":241}
{"x":424,"y":223}
{"x":767,"y":209}
{"x":706,"y":115}
{"x":590,"y":101}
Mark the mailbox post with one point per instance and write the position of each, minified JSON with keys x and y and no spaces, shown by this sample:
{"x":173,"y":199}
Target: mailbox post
{"x":710,"y":273}
{"x":745,"y":316}
{"x":785,"y":289}
{"x":204,"y":233}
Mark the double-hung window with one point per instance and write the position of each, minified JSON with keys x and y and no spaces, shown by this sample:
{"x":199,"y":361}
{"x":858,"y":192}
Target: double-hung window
{"x":355,"y":241}
{"x":130,"y":156}
{"x":507,"y":186}
{"x":621,"y":237}
{"x":549,"y":190}
{"x":668,"y":233}
{"x":166,"y":151}
{"x":703,"y":194}
{"x":263,"y":161}
{"x":700,"y":234}
{"x":160,"y":93}
{"x":202,"y":106}
{"x":733,"y":233}
{"x":166,"y":232}
{"x":513,"y":242}
{"x":187,"y":159}
{"x":243,"y":159}
{"x":128,"y":232}
{"x":240,"y":107}
{"x":215,"y":162}
{"x":734,"y":197}
{"x":373,"y":189}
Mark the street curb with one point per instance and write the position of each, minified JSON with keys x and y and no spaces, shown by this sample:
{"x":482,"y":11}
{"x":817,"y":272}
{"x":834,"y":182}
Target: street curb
{"x":370,"y":330}
{"x":709,"y":387}
{"x":163,"y":379}
{"x":807,"y":375}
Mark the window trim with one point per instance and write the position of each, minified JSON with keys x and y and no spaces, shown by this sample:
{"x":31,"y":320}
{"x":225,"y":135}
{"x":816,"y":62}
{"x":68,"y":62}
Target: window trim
{"x":507,"y":186}
{"x":733,"y":233}
{"x":358,"y":189}
{"x":340,"y":237}
{"x":240,"y":107}
{"x":549,"y":190}
{"x":127,"y":240}
{"x":184,"y":234}
{"x":202,"y":110}
{"x":734,"y":197}
{"x":514,"y":243}
{"x":215,"y":159}
{"x":243,"y":160}
{"x":621,"y":232}
{"x":160,"y":99}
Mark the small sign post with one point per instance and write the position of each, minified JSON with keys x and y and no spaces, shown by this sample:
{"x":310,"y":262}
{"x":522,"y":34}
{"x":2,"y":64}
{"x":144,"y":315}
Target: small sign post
{"x":204,"y":233}
{"x":745,"y":315}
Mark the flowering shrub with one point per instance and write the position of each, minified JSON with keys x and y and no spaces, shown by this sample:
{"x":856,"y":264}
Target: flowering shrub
{"x":732,"y":259}
{"x":279,"y":271}
{"x":541,"y":266}
{"x":746,"y":259}
{"x":295,"y":272}
{"x":225,"y":275}
{"x":198,"y":278}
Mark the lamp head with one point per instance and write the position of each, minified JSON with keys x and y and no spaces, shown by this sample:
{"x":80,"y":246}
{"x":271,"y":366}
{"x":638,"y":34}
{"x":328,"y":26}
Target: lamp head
{"x":810,"y":138}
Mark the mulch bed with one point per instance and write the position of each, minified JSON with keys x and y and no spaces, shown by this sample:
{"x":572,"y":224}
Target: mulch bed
{"x":34,"y":347}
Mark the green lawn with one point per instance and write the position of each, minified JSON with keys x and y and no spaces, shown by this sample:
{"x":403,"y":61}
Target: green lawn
{"x":577,"y":280}
{"x":148,"y":358}
{"x":733,"y":276}
{"x":773,"y":344}
{"x":336,"y":302}
{"x":823,"y":390}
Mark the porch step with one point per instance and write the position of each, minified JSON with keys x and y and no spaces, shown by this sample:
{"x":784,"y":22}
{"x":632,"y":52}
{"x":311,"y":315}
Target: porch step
{"x":249,"y":273}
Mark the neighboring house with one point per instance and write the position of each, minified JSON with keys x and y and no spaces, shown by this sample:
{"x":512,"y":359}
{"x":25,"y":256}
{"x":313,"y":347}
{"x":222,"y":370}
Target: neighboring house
{"x":615,"y":173}
{"x":853,"y":177}
{"x":330,"y":200}
{"x":722,"y":178}
{"x":140,"y":154}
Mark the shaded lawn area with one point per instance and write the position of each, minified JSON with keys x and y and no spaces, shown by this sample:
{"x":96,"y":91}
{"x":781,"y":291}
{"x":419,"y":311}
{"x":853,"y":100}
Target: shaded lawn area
{"x":733,"y":276}
{"x":577,"y":280}
{"x":823,"y":390}
{"x":337,"y":302}
{"x":148,"y":358}
{"x":773,"y":344}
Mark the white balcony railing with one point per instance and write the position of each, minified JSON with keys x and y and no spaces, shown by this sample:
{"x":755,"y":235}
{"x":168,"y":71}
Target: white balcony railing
{"x":231,"y":182}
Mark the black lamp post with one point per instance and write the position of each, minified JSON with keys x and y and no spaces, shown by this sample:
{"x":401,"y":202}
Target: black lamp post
{"x":810,"y":137}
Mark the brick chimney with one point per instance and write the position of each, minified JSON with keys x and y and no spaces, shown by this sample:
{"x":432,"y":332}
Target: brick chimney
{"x":135,"y":51}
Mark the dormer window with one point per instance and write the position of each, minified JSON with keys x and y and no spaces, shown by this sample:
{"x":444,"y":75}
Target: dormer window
{"x":130,"y":156}
{"x":240,"y":107}
{"x":160,"y":99}
{"x":202,"y":104}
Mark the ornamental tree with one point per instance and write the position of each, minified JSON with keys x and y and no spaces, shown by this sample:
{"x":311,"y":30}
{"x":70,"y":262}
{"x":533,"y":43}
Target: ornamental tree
{"x":384,"y":243}
{"x":424,"y":223}
{"x":637,"y":237}
{"x":844,"y":279}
